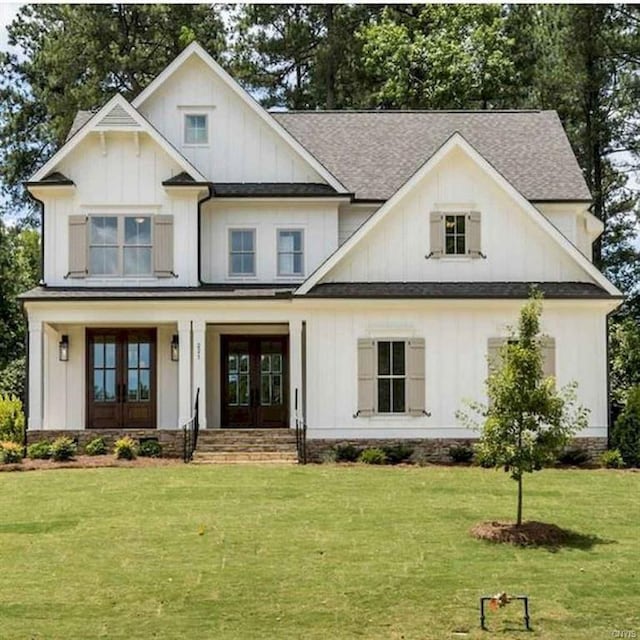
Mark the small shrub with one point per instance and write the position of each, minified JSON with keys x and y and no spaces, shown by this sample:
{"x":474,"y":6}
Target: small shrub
{"x":483,"y":459}
{"x":419,"y":458}
{"x":10,"y":452}
{"x":150,"y":449}
{"x":397,"y":453}
{"x":11,"y":419}
{"x":328,"y":456}
{"x":96,"y":447}
{"x":574,"y":457}
{"x":625,"y":435}
{"x":39,"y":450}
{"x":63,"y":449}
{"x":125,"y":449}
{"x":461,"y":453}
{"x":612,"y":459}
{"x":373,"y":455}
{"x":346,"y":453}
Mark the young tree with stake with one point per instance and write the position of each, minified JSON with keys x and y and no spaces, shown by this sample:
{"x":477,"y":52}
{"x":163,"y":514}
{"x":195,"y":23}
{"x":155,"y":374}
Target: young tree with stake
{"x":527,"y":421}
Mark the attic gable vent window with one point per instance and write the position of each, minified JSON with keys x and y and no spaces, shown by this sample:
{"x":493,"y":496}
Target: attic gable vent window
{"x":196,"y":129}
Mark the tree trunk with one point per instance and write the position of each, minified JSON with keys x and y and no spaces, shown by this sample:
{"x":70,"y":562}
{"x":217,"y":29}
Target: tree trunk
{"x":330,"y":80}
{"x":519,"y":516}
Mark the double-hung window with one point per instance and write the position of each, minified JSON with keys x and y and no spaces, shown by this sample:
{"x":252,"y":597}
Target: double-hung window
{"x":120,"y":246}
{"x":196,"y":129}
{"x":242,"y":252}
{"x":290,"y":252}
{"x":391,"y":376}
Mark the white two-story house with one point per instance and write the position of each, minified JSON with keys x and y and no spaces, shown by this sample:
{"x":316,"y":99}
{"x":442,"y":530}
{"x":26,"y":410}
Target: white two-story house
{"x":352,"y":270}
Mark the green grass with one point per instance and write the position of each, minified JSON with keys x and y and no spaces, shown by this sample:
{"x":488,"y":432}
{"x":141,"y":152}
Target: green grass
{"x":318,"y":552}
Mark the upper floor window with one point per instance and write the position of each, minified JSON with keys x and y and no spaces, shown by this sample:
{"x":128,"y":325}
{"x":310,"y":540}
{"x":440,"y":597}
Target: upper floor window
{"x":290,"y":253}
{"x":242,"y":252}
{"x":196,"y":128}
{"x":120,"y":246}
{"x":454,"y":235}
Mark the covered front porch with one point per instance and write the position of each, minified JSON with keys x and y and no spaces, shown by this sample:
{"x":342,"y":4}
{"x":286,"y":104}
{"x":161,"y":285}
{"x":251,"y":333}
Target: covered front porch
{"x":122,"y":372}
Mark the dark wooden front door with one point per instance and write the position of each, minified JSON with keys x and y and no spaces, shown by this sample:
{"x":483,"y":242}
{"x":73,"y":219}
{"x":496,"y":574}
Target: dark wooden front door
{"x":255,"y":381}
{"x":121,"y":378}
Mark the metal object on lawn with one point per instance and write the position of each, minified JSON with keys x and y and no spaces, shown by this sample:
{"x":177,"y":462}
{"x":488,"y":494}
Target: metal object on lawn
{"x":504,"y":599}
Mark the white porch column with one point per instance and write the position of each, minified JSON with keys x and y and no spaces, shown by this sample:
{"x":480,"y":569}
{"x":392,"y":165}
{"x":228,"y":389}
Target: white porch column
{"x":295,"y":370}
{"x":36,"y":367}
{"x":184,"y":372}
{"x":200,"y":368}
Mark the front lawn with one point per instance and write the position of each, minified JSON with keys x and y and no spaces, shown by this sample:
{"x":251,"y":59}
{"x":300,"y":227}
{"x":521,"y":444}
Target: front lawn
{"x":317,"y":552}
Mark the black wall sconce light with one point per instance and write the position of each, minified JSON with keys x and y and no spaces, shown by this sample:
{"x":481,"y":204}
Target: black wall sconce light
{"x":63,"y":349}
{"x":175,"y":348}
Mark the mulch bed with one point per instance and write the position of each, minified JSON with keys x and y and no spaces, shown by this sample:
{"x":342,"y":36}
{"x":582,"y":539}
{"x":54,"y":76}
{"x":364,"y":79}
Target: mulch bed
{"x":89,"y":462}
{"x":529,"y":533}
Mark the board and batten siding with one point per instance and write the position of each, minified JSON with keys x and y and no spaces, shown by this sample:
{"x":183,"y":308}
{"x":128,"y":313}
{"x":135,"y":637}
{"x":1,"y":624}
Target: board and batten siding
{"x":241,"y":148}
{"x":515,"y":247}
{"x":456,"y":339}
{"x":126,"y":180}
{"x":351,"y":217}
{"x":318,"y":221}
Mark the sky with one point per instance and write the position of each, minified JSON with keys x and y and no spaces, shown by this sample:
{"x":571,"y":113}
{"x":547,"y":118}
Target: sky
{"x":8,"y":11}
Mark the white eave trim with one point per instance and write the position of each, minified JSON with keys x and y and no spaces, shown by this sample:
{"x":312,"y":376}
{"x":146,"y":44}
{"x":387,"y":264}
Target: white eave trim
{"x":91,"y":125}
{"x":456,"y":140}
{"x":195,"y":49}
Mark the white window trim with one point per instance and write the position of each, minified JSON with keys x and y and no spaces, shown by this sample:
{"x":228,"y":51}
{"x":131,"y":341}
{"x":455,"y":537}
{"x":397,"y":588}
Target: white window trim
{"x":290,"y":276}
{"x":391,"y":414}
{"x":120,"y":216}
{"x":243,"y":276}
{"x":196,"y":112}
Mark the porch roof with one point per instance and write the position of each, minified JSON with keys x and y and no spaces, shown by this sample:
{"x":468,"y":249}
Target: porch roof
{"x":206,"y":292}
{"x":361,"y":290}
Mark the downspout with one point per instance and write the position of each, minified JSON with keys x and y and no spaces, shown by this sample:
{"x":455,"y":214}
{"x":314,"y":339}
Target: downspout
{"x":208,"y":197}
{"x":25,"y":401}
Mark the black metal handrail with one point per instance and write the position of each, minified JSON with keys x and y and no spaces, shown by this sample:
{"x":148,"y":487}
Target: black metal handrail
{"x":190,"y":431}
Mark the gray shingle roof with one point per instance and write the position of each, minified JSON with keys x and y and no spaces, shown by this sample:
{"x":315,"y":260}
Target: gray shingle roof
{"x":209,"y":292}
{"x":374,"y":152}
{"x":398,"y":290}
{"x":272,"y":189}
{"x":82,"y":117}
{"x":551,"y":290}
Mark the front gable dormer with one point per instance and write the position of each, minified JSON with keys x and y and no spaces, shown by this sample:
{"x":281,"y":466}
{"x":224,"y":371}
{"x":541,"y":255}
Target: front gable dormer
{"x":221,"y":129}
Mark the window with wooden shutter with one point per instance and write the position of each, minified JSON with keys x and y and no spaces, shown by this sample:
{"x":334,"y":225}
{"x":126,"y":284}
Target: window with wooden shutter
{"x":548,"y":346}
{"x":436,"y":234}
{"x":416,"y":377}
{"x":77,"y":247}
{"x":366,"y":377}
{"x":163,"y":246}
{"x":473,"y":233}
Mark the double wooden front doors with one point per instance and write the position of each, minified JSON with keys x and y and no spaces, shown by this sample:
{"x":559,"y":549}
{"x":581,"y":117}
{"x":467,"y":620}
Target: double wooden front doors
{"x":121,"y":378}
{"x":254,"y":381}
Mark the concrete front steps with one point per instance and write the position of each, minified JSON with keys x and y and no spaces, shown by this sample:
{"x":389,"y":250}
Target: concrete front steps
{"x":246,"y":446}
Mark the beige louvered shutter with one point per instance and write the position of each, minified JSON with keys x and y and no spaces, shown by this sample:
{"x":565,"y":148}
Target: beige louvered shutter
{"x":366,"y":377}
{"x":416,"y":376}
{"x":493,"y":353}
{"x":473,"y":234}
{"x":163,"y":246}
{"x":548,"y":357}
{"x":436,"y":233}
{"x":77,"y":247}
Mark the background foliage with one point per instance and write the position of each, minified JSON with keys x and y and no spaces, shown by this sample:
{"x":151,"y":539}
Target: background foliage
{"x":582,"y":61}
